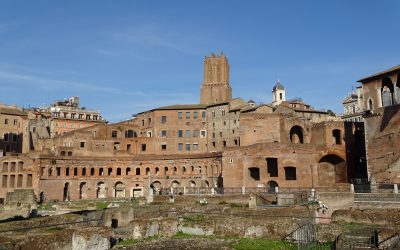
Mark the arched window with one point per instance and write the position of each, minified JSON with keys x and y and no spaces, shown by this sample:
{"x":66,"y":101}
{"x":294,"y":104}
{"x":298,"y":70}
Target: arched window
{"x":92,"y":171}
{"x":370,"y":104}
{"x":147,"y":171}
{"x":83,"y":171}
{"x":69,"y":153}
{"x":118,"y":171}
{"x":296,"y":134}
{"x":157,"y":170}
{"x":127,"y":171}
{"x":137,"y":171}
{"x":110,"y":171}
{"x":101,"y":171}
{"x":62,"y":153}
{"x":387,"y":92}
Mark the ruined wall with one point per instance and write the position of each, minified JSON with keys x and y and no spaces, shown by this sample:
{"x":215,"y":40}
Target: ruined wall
{"x":91,"y":178}
{"x":383,"y":143}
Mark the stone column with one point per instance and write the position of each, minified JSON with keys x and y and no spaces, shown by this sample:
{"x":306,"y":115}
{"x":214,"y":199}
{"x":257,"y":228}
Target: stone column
{"x":395,"y":189}
{"x":243,"y":190}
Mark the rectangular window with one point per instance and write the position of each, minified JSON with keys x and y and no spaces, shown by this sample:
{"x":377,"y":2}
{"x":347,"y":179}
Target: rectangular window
{"x":29,"y":180}
{"x":163,"y":119}
{"x":143,"y":147}
{"x":163,"y":133}
{"x":202,"y":133}
{"x":220,"y":134}
{"x":187,"y":146}
{"x":14,"y":137}
{"x":5,"y":137}
{"x":195,"y":115}
{"x":82,"y":144}
{"x":195,"y":133}
{"x":4,"y":181}
{"x":290,"y":173}
{"x":272,"y":167}
{"x":203,"y":114}
{"x":15,"y":122}
{"x":114,"y":133}
{"x":213,"y":135}
{"x":5,"y":121}
{"x":5,"y":167}
{"x":149,"y":121}
{"x":187,"y":133}
{"x":180,"y":133}
{"x":180,"y":146}
{"x":254,"y":173}
{"x":195,"y":146}
{"x":224,"y":143}
{"x":142,"y":122}
{"x":179,"y":115}
{"x":163,"y":147}
{"x":187,"y":115}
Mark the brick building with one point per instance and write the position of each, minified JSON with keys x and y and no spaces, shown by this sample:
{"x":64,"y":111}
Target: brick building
{"x":221,"y":142}
{"x":382,"y":119}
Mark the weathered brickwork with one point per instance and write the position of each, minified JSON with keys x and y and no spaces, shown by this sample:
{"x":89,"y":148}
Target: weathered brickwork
{"x":221,"y":142}
{"x":382,"y":125}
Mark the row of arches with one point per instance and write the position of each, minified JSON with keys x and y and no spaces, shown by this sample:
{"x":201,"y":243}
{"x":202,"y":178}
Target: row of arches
{"x":297,"y":135}
{"x":128,"y":171}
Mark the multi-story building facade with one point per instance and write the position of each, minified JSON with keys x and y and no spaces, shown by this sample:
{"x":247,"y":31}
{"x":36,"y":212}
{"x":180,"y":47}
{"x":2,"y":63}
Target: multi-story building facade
{"x":67,"y":116}
{"x":353,"y":106}
{"x":221,"y":142}
{"x":381,"y":103}
{"x":13,"y":130}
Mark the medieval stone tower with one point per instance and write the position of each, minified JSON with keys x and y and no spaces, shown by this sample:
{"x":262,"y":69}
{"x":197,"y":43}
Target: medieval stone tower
{"x":215,"y":87}
{"x":278,"y":94}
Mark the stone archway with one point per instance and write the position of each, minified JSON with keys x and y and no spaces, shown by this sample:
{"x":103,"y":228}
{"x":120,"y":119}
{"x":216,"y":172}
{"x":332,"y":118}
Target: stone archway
{"x":271,"y":186}
{"x":83,"y":190}
{"x":66,"y":192}
{"x":175,"y":184}
{"x":331,"y":169}
{"x":296,"y":134}
{"x":119,"y":190}
{"x":101,"y":190}
{"x":156,"y":186}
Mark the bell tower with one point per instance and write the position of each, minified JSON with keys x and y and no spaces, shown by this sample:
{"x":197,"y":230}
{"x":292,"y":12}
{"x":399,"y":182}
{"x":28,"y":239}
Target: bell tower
{"x":215,"y":87}
{"x":278,"y":94}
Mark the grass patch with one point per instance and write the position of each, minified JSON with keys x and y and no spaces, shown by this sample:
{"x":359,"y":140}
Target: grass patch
{"x":353,"y":226}
{"x":254,"y":244}
{"x":130,"y":242}
{"x":182,"y":235}
{"x":194,"y":218}
{"x":47,"y":206}
{"x":101,"y":205}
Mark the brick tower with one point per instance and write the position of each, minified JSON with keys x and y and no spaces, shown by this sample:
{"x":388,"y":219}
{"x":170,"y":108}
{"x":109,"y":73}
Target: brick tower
{"x":215,"y":87}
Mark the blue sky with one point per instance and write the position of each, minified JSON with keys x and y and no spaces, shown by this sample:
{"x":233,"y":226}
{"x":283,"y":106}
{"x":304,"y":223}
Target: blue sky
{"x":123,"y":57}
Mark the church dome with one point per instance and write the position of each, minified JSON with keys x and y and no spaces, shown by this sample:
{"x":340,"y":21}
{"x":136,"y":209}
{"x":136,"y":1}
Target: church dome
{"x":278,"y":86}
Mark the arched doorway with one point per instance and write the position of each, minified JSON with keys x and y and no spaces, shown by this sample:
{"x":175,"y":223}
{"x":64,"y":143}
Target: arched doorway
{"x":271,"y":186}
{"x":66,"y":192}
{"x":101,"y":190}
{"x":175,"y":184}
{"x":156,"y":186}
{"x":192,"y":184}
{"x":119,"y":190}
{"x":332,"y":169}
{"x":82,"y":190}
{"x":42,"y":197}
{"x":296,"y":134}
